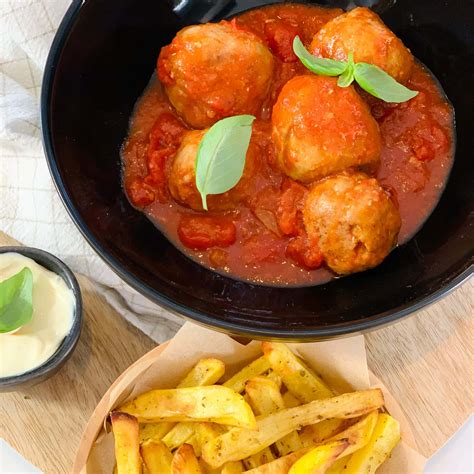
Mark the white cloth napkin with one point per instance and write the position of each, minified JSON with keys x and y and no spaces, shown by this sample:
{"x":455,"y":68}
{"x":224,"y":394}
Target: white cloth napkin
{"x":30,"y":209}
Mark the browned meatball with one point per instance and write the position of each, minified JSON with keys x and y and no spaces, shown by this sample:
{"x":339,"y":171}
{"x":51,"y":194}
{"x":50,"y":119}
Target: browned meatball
{"x":182,"y":177}
{"x":213,"y":71}
{"x":320,"y":128}
{"x":354,"y":221}
{"x":362,"y":32}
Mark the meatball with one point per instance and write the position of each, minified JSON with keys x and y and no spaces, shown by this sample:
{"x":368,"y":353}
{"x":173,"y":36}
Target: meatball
{"x":362,"y":32}
{"x":182,"y":177}
{"x":320,"y":128}
{"x":213,"y":71}
{"x":354,"y":221}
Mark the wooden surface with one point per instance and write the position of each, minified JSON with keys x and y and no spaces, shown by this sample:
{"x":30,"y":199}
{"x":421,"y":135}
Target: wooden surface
{"x":426,"y":361}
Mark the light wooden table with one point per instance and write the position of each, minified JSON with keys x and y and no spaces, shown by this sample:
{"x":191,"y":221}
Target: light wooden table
{"x":426,"y":361}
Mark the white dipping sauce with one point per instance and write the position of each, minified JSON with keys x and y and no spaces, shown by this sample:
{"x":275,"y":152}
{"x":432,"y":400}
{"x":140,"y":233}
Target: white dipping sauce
{"x":53,"y":310}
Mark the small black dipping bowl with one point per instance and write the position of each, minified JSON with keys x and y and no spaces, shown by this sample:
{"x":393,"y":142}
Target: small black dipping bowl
{"x":101,"y":61}
{"x":65,"y":350}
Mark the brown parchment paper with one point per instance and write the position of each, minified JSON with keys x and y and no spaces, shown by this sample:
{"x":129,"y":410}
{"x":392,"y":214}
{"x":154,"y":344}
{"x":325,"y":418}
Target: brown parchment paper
{"x":342,"y":363}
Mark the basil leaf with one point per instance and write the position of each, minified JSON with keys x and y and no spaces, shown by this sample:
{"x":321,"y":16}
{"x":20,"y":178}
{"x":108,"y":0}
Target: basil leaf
{"x":380,"y":84}
{"x":221,"y":155}
{"x":16,"y":301}
{"x":325,"y":67}
{"x":347,"y":77}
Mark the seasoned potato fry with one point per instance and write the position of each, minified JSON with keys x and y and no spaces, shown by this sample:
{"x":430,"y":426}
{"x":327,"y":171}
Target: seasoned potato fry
{"x":265,"y":398}
{"x":360,"y":433}
{"x":290,"y":400}
{"x":185,"y":461}
{"x":302,"y":382}
{"x":205,"y":432}
{"x":205,"y":372}
{"x":154,"y":431}
{"x":232,"y":468}
{"x":281,"y":465}
{"x":257,"y":367}
{"x":262,"y":457}
{"x":238,"y":444}
{"x":178,"y":435}
{"x":319,"y":459}
{"x":385,"y":437}
{"x":210,"y":403}
{"x":356,"y":435}
{"x":339,"y":467}
{"x":264,"y":395}
{"x":127,"y":448}
{"x":156,"y":457}
{"x":272,"y":375}
{"x":316,"y":434}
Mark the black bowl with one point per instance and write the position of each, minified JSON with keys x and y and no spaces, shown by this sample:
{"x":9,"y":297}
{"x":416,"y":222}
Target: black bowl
{"x":101,"y":60}
{"x":65,"y":350}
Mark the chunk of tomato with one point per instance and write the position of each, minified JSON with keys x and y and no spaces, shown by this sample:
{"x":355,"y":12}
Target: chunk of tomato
{"x":304,"y":252}
{"x":280,"y":35}
{"x":289,"y":207}
{"x":203,"y":232}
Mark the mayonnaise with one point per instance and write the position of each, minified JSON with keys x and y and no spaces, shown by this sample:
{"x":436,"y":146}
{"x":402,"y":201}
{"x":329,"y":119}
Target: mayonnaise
{"x":53,"y":310}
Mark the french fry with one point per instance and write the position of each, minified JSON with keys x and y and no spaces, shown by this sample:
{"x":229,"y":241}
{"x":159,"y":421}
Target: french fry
{"x":281,"y":465}
{"x":339,"y":467}
{"x":302,"y":382}
{"x":333,"y":457}
{"x":156,"y":457}
{"x":232,"y":468}
{"x":178,"y":435}
{"x":185,"y":461}
{"x":264,"y":394}
{"x":210,"y":403}
{"x":257,"y":367}
{"x":272,"y":375}
{"x":357,"y":436}
{"x":265,"y":398}
{"x":205,"y":432}
{"x":239,"y":444}
{"x":127,"y":447}
{"x":290,"y":400}
{"x":385,"y":437}
{"x":262,"y":457}
{"x":154,"y":431}
{"x":316,"y":434}
{"x":205,"y":372}
{"x":319,"y":459}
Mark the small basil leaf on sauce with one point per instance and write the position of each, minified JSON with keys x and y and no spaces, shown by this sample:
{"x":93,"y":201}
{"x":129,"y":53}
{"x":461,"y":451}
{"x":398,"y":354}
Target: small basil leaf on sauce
{"x":380,"y":84}
{"x":325,"y":67}
{"x":16,"y":300}
{"x":221,"y":155}
{"x":347,"y":77}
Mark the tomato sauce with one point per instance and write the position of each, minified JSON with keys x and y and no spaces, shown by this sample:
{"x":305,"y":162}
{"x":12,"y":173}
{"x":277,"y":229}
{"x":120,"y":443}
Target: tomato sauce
{"x":262,"y":240}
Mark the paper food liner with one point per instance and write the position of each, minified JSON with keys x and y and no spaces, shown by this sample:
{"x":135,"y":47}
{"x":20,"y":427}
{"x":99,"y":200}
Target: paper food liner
{"x":342,"y":364}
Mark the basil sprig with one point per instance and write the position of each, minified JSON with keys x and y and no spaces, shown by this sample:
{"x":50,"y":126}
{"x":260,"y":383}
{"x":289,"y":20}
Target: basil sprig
{"x":220,"y":160}
{"x":16,"y":300}
{"x":371,"y":78}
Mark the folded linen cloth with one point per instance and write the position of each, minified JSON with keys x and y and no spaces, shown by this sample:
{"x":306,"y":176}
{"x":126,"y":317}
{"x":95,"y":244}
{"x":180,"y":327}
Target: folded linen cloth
{"x":30,"y":208}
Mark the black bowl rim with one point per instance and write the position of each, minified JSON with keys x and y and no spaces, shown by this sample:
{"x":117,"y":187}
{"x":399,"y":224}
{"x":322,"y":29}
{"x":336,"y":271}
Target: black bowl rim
{"x":67,"y":346}
{"x":377,"y":320}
